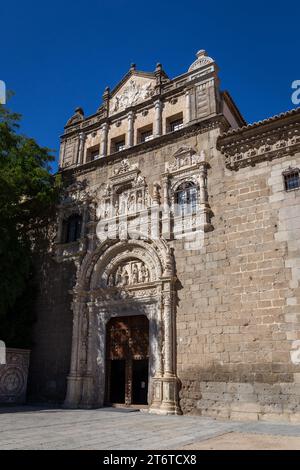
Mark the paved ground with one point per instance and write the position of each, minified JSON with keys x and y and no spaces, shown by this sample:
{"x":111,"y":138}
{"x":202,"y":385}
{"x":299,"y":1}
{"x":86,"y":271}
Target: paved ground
{"x":246,"y":441}
{"x":109,"y":428}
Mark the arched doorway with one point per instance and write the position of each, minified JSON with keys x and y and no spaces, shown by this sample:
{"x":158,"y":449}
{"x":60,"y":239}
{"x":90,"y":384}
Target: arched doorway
{"x":122,"y":279}
{"x":127,"y":360}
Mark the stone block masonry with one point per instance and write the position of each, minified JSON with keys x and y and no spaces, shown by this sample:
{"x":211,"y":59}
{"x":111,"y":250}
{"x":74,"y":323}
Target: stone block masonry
{"x":224,"y":318}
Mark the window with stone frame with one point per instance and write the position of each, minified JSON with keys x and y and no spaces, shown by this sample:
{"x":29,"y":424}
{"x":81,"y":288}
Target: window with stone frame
{"x":92,"y":153}
{"x":118,"y":144}
{"x":291,"y":178}
{"x":72,"y":228}
{"x":174,"y":123}
{"x":186,"y":198}
{"x":145,"y":134}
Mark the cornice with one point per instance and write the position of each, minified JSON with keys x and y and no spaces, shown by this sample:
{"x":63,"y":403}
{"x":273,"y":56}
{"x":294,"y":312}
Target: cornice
{"x":266,"y":140}
{"x":273,"y":120}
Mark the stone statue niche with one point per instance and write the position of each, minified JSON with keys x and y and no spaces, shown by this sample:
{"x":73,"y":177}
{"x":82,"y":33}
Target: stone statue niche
{"x":124,"y":198}
{"x":129,"y":274}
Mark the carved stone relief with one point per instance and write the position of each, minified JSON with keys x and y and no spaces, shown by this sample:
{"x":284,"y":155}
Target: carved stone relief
{"x":185,"y":157}
{"x":126,"y":193}
{"x":248,"y":151}
{"x":130,"y":273}
{"x":132,"y":94}
{"x":13,"y":376}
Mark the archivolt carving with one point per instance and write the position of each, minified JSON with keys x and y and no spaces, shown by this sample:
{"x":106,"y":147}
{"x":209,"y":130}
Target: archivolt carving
{"x":183,"y":179}
{"x":118,"y":278}
{"x":104,"y":260}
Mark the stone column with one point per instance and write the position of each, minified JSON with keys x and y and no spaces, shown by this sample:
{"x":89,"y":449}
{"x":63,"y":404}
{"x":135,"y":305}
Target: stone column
{"x":88,"y":382}
{"x":166,"y":222}
{"x":62,"y":153}
{"x":158,"y":118}
{"x":205,"y":211}
{"x":155,"y":213}
{"x":100,"y":347}
{"x":170,"y":384}
{"x":202,"y":184}
{"x":168,"y":369}
{"x":103,"y":140}
{"x":130,"y":130}
{"x":187,"y":106}
{"x":74,"y":384}
{"x":81,"y":148}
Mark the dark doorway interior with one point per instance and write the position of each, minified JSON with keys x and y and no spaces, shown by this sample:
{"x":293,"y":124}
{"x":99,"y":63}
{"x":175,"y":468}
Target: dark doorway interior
{"x":117,"y":381}
{"x":139,"y":381}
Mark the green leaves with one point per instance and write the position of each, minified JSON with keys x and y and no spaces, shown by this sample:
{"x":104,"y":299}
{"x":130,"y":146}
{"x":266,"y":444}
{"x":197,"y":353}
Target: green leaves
{"x":28,"y":194}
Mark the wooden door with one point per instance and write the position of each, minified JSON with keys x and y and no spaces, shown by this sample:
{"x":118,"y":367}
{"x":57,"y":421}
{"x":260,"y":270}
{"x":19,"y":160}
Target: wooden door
{"x":127,"y":360}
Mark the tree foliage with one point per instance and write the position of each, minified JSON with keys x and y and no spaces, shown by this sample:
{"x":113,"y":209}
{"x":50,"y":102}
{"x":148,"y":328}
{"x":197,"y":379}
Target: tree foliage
{"x":28,"y":193}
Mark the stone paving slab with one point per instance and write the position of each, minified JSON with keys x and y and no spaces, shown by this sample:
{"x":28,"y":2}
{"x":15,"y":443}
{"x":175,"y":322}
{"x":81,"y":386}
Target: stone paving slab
{"x":110,"y":428}
{"x":247,"y":441}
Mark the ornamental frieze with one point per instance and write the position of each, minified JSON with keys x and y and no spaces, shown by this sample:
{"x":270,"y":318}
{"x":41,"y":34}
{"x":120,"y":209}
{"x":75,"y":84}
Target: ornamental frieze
{"x":241,"y":151}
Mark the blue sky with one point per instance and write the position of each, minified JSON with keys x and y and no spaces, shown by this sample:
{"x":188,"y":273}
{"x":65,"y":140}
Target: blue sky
{"x":61,"y":54}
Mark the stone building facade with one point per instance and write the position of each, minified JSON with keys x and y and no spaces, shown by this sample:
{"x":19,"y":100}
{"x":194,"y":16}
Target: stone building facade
{"x":173,"y":279}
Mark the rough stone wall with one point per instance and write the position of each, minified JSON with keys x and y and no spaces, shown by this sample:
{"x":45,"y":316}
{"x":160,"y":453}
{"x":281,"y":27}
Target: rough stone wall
{"x":51,"y":351}
{"x":238,"y":315}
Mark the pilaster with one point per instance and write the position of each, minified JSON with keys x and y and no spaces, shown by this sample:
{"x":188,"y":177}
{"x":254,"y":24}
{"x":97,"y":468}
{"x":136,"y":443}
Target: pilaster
{"x":158,"y":118}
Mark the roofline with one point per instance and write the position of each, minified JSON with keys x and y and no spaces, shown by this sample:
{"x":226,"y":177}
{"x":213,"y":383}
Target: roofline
{"x":129,"y":74}
{"x":265,"y":123}
{"x":233,"y":107}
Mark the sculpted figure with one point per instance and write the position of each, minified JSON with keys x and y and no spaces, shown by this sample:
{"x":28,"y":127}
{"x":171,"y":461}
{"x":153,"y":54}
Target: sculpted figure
{"x":139,"y":201}
{"x":123,"y":203}
{"x":125,"y":277}
{"x":135,"y":274}
{"x":119,"y":276}
{"x":131,"y":203}
{"x":111,"y":281}
{"x":144,"y":273}
{"x":116,"y":207}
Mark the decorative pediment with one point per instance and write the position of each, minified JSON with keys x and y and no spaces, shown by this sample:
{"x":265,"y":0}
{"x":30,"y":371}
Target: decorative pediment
{"x":185,"y":157}
{"x":124,"y":167}
{"x":75,"y":193}
{"x":136,"y":88}
{"x":126,"y":172}
{"x":184,"y":150}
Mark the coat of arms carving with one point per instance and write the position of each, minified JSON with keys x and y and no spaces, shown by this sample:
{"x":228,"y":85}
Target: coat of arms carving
{"x":132,"y":94}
